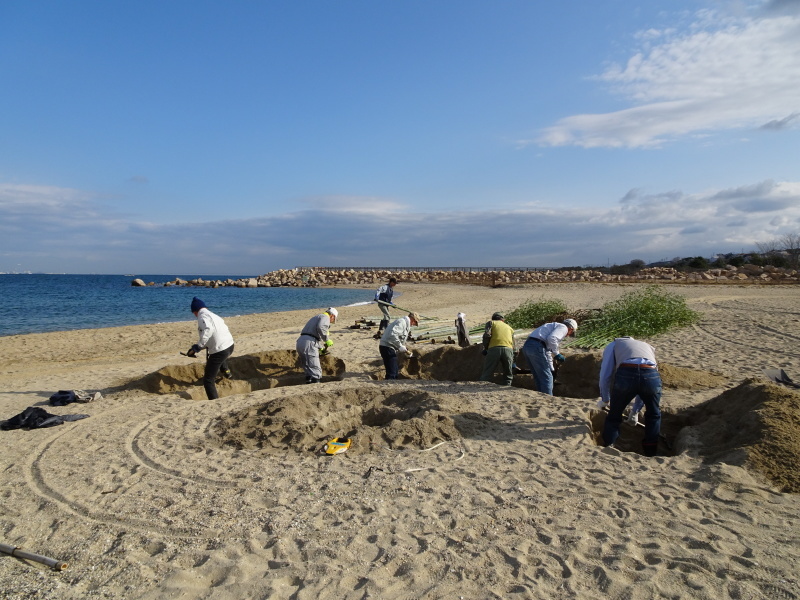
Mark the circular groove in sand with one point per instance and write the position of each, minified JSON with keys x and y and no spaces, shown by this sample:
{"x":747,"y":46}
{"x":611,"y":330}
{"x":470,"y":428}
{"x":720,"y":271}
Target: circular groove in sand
{"x":37,"y":483}
{"x":705,"y":332}
{"x":135,"y":449}
{"x":770,"y":312}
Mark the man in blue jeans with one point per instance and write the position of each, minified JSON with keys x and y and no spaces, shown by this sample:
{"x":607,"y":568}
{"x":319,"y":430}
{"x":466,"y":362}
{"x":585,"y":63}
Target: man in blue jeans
{"x":542,"y":346}
{"x":393,"y":341}
{"x":629,"y":369}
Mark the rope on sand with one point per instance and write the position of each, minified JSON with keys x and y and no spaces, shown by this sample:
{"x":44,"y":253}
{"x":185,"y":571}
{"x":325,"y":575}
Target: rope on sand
{"x":432,"y":447}
{"x":414,"y":470}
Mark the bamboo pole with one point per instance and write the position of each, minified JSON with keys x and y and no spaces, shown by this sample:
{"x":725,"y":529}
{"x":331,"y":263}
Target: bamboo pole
{"x":19,"y":553}
{"x":408,"y":310}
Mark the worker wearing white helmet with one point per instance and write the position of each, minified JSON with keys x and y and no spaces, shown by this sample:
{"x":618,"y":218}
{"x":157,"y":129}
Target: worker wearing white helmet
{"x":542,"y":346}
{"x":314,"y":338}
{"x":393,"y":341}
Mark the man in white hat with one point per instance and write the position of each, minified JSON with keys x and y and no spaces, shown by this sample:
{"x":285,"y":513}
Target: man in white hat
{"x":314,"y":338}
{"x":393,"y":341}
{"x":542,"y":346}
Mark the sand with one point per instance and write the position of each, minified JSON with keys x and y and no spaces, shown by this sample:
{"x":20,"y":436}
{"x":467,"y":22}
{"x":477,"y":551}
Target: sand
{"x":451,"y":489}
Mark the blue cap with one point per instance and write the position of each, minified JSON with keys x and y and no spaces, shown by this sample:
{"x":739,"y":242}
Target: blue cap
{"x":197,"y":304}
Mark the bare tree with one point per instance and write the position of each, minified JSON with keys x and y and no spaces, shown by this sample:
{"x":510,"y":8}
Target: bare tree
{"x":790,"y":242}
{"x":769,"y":247}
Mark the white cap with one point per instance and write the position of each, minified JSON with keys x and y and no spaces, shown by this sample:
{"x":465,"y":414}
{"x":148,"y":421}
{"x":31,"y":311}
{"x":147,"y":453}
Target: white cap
{"x":571,"y":323}
{"x":333,"y":312}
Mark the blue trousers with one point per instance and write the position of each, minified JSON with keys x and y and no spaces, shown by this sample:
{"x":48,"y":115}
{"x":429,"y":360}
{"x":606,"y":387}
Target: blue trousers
{"x":389,"y":356}
{"x":628,"y":383}
{"x":536,"y":353}
{"x":214,"y":363}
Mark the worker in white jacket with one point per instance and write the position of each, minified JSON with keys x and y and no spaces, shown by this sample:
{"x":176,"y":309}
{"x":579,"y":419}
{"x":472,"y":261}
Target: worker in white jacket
{"x":393,"y":341}
{"x":215,"y":336}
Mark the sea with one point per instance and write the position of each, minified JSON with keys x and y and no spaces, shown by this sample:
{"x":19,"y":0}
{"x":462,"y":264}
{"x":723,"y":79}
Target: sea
{"x":36,"y":303}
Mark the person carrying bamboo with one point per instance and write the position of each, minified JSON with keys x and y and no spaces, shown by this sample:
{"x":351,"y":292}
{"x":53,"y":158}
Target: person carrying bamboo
{"x":383,"y":296}
{"x":629,"y":369}
{"x":498,"y":348}
{"x":314,"y":338}
{"x":542,"y":346}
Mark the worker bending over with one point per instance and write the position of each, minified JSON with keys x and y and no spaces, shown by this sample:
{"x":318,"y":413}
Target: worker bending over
{"x":498,"y":348}
{"x":542,"y":346}
{"x":629,"y":369}
{"x":314,"y":338}
{"x":393,"y":341}
{"x":215,"y":336}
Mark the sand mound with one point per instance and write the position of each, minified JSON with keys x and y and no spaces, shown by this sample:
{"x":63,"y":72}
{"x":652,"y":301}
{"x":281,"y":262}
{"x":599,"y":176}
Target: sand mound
{"x":373,"y":417}
{"x":681,"y":378}
{"x":577,"y":377}
{"x":754,"y":424}
{"x":251,"y":372}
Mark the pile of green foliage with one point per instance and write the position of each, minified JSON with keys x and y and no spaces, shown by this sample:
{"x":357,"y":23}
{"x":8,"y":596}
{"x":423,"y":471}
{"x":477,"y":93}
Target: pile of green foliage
{"x":642,"y":313}
{"x":532,"y":313}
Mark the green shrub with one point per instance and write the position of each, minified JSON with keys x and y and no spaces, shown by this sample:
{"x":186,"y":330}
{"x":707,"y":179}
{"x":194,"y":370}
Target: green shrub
{"x":532,"y":313}
{"x":698,"y":262}
{"x":736,"y":261}
{"x":642,"y":313}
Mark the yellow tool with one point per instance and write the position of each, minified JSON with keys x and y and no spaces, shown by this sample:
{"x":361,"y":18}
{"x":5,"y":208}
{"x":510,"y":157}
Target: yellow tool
{"x":337,"y":446}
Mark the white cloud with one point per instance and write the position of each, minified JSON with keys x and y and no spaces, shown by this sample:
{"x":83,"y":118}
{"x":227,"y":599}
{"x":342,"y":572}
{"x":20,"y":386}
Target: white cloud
{"x":734,"y":73}
{"x":355,"y":205}
{"x":69,"y":231}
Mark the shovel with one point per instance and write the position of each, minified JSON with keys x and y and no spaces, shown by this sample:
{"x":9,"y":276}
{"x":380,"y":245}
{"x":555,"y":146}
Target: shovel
{"x":779,"y":376}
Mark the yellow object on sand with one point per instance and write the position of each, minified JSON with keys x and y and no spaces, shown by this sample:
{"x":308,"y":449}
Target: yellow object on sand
{"x":337,"y":446}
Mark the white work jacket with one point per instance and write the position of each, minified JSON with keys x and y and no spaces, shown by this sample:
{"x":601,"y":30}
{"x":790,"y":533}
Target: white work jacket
{"x":214,"y":334}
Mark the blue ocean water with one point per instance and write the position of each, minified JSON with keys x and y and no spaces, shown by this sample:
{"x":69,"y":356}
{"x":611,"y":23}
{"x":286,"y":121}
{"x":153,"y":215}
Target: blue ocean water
{"x":39,"y":303}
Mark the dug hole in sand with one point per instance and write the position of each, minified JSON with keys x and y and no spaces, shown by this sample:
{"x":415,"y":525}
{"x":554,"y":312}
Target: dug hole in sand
{"x":251,"y":372}
{"x":755,"y":425}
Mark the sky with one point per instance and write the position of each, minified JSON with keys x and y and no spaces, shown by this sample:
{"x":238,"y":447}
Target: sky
{"x":240,"y":137}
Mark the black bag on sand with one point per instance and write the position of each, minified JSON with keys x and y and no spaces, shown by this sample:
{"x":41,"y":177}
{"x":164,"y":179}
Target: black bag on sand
{"x":63,"y":397}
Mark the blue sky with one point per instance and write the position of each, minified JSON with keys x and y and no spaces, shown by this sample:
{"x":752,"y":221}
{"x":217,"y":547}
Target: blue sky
{"x":241,"y":137}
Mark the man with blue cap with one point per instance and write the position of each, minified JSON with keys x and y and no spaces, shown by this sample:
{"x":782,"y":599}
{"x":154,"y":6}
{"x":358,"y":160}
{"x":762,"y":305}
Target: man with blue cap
{"x":215,"y":337}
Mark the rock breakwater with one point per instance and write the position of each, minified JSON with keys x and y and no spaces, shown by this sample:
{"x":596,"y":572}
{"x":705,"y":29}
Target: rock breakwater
{"x":333,"y":277}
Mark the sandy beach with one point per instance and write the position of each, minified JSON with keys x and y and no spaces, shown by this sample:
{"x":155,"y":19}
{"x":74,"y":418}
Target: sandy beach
{"x":452,"y":489}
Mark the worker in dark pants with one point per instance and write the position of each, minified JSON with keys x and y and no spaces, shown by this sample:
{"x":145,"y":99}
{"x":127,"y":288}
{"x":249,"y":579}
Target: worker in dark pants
{"x":383,"y":296}
{"x":215,"y":336}
{"x":498,"y":349}
{"x":629,"y":369}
